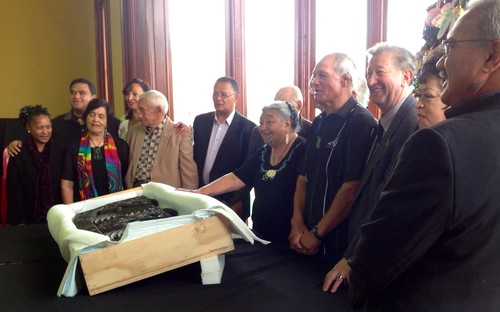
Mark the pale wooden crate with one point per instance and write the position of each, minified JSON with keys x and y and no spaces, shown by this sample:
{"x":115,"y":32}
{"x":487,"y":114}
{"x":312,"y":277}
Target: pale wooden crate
{"x":128,"y":262}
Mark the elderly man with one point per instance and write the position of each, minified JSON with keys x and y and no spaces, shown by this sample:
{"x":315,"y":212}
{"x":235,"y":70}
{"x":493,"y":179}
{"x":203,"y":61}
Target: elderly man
{"x":292,"y":95}
{"x":156,"y":153}
{"x":433,"y":240}
{"x":390,"y":72}
{"x":221,"y":142}
{"x":336,"y":153}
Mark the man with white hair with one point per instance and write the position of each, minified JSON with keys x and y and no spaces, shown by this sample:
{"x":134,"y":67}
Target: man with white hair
{"x":156,"y":153}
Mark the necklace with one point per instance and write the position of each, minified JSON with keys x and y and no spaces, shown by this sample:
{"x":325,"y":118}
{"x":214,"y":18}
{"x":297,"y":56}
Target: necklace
{"x":96,"y":149}
{"x":271,"y":173}
{"x":273,"y":159}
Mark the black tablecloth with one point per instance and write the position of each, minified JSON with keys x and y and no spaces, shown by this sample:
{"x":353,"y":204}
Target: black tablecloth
{"x":255,"y":278}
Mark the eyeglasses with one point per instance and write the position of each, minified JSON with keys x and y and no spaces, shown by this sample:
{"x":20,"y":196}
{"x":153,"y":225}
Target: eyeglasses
{"x":222,"y":94}
{"x":446,"y":43}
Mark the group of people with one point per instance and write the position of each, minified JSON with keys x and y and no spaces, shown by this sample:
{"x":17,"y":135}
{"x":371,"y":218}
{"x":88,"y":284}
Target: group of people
{"x":409,"y":219}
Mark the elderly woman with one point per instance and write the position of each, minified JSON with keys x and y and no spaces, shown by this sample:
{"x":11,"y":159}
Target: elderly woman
{"x":131,"y":92}
{"x":33,"y":175}
{"x":429,"y":106}
{"x":95,"y":164}
{"x":272,"y":171}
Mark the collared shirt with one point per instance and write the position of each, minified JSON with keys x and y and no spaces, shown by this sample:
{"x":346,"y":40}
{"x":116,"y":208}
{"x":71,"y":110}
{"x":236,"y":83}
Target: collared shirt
{"x":219,"y":131}
{"x":336,"y":151}
{"x":386,"y":119}
{"x":148,"y":151}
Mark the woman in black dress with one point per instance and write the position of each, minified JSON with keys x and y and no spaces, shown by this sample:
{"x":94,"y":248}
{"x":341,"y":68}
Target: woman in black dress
{"x":272,"y":172}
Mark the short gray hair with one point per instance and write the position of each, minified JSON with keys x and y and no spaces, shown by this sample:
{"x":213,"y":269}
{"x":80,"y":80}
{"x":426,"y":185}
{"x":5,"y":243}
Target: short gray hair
{"x":344,"y":65}
{"x":287,"y":111}
{"x":404,"y":58}
{"x":488,"y":22}
{"x":155,"y":98}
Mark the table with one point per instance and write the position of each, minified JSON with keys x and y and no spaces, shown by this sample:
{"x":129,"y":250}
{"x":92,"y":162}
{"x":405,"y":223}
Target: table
{"x":256,"y":278}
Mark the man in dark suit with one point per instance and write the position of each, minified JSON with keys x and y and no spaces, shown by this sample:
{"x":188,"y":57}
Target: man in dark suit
{"x":391,"y":92}
{"x":433,"y":240}
{"x":221,"y":142}
{"x":292,"y":95}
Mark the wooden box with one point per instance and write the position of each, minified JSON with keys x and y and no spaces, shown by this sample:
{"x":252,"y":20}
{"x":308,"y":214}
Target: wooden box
{"x":114,"y":266}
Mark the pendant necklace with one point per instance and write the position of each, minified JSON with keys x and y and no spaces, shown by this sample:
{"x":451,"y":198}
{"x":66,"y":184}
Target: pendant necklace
{"x":271,"y":173}
{"x":97,"y":150}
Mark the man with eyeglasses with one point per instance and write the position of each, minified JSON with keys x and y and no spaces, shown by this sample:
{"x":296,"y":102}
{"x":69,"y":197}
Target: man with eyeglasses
{"x":433,"y":241}
{"x":221,"y":141}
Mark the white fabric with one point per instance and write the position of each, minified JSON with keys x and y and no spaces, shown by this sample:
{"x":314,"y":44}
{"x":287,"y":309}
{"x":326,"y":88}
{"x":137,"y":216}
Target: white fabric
{"x":191,"y":207}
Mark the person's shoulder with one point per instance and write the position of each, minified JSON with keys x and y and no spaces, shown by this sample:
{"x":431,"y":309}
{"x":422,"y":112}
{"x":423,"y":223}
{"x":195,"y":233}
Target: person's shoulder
{"x":135,"y":129}
{"x":59,"y":118}
{"x":245,"y":121}
{"x":205,"y":116}
{"x":363,"y":115}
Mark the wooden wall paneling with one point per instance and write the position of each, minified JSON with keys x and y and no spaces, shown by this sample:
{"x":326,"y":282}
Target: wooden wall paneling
{"x":376,"y":32}
{"x":305,"y":51}
{"x":235,"y":49}
{"x":104,"y":70}
{"x":146,"y":45}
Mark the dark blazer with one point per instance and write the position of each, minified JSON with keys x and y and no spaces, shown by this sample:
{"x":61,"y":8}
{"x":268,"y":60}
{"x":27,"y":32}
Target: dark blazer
{"x":433,"y":241}
{"x":379,"y":167}
{"x":232,"y":152}
{"x":256,"y":140}
{"x":21,"y":180}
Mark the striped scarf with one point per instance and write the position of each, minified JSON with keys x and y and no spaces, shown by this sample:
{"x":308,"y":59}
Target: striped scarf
{"x":84,"y":167}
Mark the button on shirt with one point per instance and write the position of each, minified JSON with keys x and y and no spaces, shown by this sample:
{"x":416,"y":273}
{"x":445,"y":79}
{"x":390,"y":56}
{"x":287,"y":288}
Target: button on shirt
{"x":148,"y":152}
{"x":219,"y":131}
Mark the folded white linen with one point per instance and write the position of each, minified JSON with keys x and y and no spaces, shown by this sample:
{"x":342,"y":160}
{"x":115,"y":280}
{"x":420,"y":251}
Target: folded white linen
{"x":190,"y":206}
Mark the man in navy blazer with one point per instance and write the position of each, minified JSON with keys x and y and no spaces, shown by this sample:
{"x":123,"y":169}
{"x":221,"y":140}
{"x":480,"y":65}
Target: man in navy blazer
{"x":221,"y":141}
{"x":392,"y":93}
{"x":433,"y":240}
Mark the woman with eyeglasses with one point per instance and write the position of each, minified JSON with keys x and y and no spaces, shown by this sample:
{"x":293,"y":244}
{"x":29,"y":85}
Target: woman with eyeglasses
{"x":430,"y":108}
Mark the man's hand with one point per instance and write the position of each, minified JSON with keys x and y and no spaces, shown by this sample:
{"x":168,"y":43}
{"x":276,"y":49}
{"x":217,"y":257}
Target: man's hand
{"x":14,"y":148}
{"x":310,"y":245}
{"x":298,"y":229}
{"x":337,"y":275}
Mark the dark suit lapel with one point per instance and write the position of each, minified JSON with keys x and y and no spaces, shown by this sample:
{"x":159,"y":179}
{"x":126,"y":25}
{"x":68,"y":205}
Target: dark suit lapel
{"x":385,"y":143}
{"x":231,"y":135}
{"x":205,"y":132}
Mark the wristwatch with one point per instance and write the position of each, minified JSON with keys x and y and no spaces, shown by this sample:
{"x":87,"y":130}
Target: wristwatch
{"x":314,"y":232}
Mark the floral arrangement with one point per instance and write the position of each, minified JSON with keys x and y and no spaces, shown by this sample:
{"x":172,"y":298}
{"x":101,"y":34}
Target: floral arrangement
{"x":441,"y":17}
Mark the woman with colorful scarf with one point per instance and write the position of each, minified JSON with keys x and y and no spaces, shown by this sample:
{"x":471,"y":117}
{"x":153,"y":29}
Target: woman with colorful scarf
{"x":96,"y":164}
{"x":33,"y":175}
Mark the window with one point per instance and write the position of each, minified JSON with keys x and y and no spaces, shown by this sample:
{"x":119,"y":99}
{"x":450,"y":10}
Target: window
{"x":341,"y":27}
{"x":269,"y":35}
{"x":197,"y":36}
{"x":403,"y":29}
